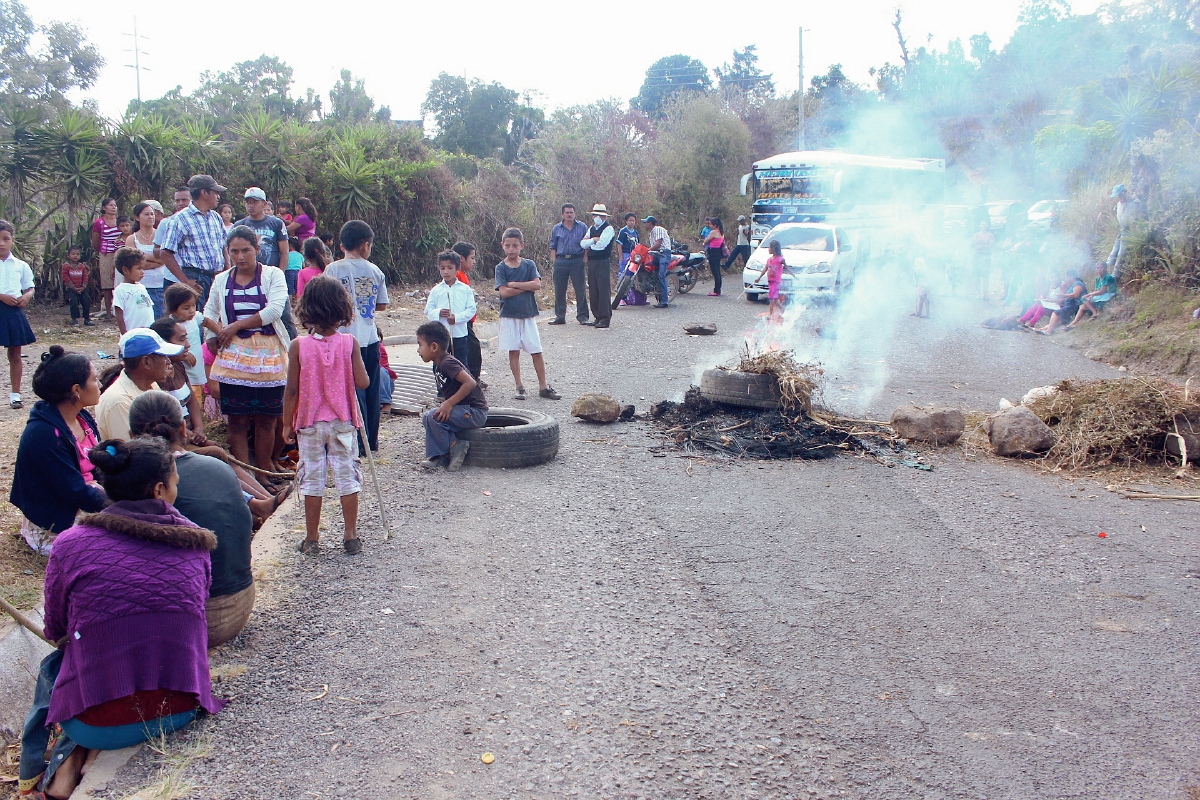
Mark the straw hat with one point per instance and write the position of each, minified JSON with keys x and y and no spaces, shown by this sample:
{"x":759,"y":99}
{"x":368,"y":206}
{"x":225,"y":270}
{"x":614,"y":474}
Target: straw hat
{"x":600,"y":210}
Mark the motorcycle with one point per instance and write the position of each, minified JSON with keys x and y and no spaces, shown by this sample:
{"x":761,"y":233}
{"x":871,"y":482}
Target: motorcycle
{"x":641,"y":273}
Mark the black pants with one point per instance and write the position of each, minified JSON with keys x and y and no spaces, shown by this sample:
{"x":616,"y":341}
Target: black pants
{"x":474,"y":360}
{"x":570,"y":269}
{"x":460,"y":349}
{"x":742,"y":250}
{"x":599,"y":278}
{"x":79,"y":300}
{"x":368,"y":399}
{"x":714,"y":264}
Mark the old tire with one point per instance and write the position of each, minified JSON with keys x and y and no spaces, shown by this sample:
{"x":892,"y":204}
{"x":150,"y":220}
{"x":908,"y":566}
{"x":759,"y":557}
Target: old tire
{"x":623,"y":286}
{"x":753,"y":296}
{"x":745,"y":389}
{"x":513,"y":437}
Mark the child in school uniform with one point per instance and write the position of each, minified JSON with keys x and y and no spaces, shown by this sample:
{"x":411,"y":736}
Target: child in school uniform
{"x":320,"y":408}
{"x":463,"y":406}
{"x":452,"y":303}
{"x":16,"y":290}
{"x":132,"y":302}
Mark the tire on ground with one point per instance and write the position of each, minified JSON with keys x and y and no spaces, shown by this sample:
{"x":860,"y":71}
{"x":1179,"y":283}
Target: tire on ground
{"x":745,"y":389}
{"x":514,"y":437}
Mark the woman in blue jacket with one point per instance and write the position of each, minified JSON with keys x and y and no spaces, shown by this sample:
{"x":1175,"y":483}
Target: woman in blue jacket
{"x":53,"y":479}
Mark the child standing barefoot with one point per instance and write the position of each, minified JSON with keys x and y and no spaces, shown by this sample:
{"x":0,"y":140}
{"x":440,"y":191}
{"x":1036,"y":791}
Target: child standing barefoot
{"x":774,"y":272}
{"x":16,"y":290}
{"x":320,"y":408}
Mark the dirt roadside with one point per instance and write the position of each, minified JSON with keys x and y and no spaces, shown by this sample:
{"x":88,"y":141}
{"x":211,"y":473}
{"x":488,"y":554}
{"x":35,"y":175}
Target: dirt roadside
{"x":608,"y":625}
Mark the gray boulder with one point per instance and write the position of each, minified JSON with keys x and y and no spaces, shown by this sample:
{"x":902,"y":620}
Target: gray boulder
{"x":595,"y":407}
{"x":1018,"y":431}
{"x":701,"y":328}
{"x":936,"y":425}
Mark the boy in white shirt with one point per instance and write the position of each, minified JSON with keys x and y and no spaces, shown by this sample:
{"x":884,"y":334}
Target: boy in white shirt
{"x":452,"y":303}
{"x":132,"y":302}
{"x":16,"y":290}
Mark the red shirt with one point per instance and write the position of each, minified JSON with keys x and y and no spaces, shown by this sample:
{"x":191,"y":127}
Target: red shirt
{"x":75,"y":276}
{"x":462,"y":276}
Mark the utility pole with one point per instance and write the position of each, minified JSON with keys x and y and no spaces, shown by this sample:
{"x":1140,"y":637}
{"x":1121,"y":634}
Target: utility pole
{"x":136,"y":66}
{"x":800,"y":138}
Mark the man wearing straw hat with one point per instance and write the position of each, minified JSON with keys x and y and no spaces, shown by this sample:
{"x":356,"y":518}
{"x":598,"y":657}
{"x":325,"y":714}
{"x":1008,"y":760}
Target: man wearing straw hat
{"x":597,"y":258}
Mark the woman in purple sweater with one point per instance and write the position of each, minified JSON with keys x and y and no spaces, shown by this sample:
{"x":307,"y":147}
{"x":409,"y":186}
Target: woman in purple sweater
{"x":125,"y":594}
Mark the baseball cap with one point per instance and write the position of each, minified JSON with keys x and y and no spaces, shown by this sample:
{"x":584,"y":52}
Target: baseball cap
{"x":205,"y":182}
{"x":651,"y":220}
{"x":256,"y":193}
{"x":1120,"y":187}
{"x":140,"y":342}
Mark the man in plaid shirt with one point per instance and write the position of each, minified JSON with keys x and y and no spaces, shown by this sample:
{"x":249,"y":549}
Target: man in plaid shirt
{"x":194,"y":246}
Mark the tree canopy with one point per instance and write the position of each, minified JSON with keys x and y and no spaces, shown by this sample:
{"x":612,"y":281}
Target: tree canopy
{"x":666,"y":78}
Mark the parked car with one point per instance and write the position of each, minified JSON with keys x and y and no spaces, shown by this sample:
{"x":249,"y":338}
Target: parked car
{"x":818,"y":257}
{"x":1005,"y":216}
{"x":1046,"y":214}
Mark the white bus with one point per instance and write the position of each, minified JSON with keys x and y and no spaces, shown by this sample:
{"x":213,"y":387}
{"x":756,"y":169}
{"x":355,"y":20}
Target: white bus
{"x":882,"y":202}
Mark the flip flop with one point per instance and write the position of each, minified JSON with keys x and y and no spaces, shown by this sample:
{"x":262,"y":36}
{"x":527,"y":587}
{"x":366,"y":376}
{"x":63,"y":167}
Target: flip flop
{"x":282,"y":496}
{"x":520,"y":395}
{"x":310,"y":548}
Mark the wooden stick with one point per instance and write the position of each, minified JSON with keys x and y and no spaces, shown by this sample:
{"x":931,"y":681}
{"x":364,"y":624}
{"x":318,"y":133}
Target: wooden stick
{"x":1138,"y":494}
{"x":735,"y":427}
{"x":259,"y":470}
{"x":362,"y":437}
{"x":25,"y":621}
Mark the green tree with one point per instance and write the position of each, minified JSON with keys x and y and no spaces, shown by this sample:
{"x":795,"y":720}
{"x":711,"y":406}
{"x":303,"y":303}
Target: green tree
{"x":701,"y":149}
{"x":667,"y":78}
{"x":475,"y":118}
{"x":40,"y":76}
{"x":349,"y":102}
{"x":745,"y":76}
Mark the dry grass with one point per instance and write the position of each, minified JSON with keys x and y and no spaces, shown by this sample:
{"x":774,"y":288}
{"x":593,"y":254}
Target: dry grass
{"x":798,"y":383}
{"x":173,"y":757}
{"x":1113,"y":422}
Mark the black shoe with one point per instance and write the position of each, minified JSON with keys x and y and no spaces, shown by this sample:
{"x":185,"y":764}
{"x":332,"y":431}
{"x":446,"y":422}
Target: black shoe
{"x":352,"y":546}
{"x":557,"y":322}
{"x":87,"y":323}
{"x":600,"y":325}
{"x":586,"y":322}
{"x":660,"y":305}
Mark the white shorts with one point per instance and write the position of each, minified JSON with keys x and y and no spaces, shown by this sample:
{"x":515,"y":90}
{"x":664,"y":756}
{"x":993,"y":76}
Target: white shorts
{"x":519,"y":334}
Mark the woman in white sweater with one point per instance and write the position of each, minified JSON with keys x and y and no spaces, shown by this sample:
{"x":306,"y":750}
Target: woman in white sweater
{"x":245,"y":305}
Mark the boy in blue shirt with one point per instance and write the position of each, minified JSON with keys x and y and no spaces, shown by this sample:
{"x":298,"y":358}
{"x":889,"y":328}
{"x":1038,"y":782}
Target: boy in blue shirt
{"x":516,"y":280}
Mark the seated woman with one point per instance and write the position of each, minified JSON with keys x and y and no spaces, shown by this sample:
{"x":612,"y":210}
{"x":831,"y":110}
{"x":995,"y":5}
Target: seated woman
{"x":210,"y":495}
{"x":125,"y":593}
{"x":52,"y":480}
{"x":1106,"y":289}
{"x":1069,"y":307}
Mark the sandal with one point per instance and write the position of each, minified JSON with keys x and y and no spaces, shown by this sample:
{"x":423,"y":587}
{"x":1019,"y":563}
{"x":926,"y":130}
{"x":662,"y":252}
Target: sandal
{"x":549,"y":393}
{"x":310,"y":547}
{"x":520,"y":395}
{"x":282,"y":496}
{"x":352,"y":546}
{"x":714,"y":294}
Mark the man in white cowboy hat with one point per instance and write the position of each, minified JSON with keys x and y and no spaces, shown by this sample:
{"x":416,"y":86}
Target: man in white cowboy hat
{"x":597,"y":258}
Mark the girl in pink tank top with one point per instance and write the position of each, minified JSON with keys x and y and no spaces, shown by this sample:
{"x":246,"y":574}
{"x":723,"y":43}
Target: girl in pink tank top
{"x":320,"y":408}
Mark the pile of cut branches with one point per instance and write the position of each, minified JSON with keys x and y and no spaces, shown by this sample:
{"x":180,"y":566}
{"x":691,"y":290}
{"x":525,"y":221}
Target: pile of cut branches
{"x":797,"y":382}
{"x":1115,"y":422}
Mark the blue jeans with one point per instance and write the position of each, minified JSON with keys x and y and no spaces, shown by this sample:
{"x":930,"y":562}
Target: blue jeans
{"x":386,"y":386}
{"x":664,"y":263}
{"x":1117,"y":256}
{"x":205,"y":279}
{"x":440,"y":436}
{"x":368,"y":399}
{"x":156,"y":299}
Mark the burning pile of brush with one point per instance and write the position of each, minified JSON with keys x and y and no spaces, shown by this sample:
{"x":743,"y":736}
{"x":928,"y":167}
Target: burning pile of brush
{"x":798,"y":383}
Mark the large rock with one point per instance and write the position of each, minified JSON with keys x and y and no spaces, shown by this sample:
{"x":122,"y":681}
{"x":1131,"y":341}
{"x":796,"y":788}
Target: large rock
{"x":937,"y":425}
{"x":701,"y":328}
{"x":1018,"y":431}
{"x":594,"y":407}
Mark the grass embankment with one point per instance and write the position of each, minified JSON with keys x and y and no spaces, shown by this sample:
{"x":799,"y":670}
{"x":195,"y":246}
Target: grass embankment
{"x":1152,"y":331}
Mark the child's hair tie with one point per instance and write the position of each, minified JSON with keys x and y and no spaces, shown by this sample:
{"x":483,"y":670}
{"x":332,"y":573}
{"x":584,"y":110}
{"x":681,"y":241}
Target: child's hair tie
{"x":112,"y":451}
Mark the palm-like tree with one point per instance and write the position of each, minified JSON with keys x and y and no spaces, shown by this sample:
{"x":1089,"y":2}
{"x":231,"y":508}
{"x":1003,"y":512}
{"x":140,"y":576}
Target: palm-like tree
{"x":149,"y":148}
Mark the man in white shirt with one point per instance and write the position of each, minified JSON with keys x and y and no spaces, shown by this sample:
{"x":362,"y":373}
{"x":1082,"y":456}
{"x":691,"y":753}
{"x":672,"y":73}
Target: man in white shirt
{"x":660,"y":243}
{"x":597,"y":247}
{"x":452,"y":303}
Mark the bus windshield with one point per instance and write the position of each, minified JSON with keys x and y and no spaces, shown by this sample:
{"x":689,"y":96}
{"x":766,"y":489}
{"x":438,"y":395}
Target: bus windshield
{"x":785,"y":186}
{"x":812,"y":239}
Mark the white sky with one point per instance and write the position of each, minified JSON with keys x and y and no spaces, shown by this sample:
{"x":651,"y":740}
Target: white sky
{"x":535,"y":46}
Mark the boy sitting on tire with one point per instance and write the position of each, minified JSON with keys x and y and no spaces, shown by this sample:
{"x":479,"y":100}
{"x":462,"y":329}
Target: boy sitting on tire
{"x":463,"y":406}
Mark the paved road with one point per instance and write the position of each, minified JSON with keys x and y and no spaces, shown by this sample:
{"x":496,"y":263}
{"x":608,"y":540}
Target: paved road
{"x":609,"y":626}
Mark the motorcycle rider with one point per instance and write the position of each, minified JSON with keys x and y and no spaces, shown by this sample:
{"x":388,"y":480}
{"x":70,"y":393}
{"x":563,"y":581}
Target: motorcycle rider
{"x":660,"y":242}
{"x":597,"y":247}
{"x":628,"y":238}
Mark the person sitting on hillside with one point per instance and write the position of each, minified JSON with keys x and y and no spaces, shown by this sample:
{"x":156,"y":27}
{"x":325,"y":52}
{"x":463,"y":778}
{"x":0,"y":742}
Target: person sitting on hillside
{"x":1106,"y":289}
{"x":1069,"y":307}
{"x":125,"y":595}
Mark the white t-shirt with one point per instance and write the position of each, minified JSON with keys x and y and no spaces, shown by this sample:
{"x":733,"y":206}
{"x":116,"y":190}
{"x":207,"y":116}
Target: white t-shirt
{"x":368,"y":288}
{"x":134,"y":302}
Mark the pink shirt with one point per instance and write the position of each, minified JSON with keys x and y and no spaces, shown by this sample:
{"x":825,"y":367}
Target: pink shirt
{"x":775,"y":265}
{"x":306,"y":275}
{"x":326,"y":380}
{"x":110,"y":238}
{"x":83,"y":448}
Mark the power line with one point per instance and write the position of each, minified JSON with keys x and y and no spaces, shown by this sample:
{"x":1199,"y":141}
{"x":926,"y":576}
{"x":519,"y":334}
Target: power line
{"x":136,"y":66}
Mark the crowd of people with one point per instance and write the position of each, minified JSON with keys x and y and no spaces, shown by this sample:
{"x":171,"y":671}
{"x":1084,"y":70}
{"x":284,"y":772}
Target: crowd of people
{"x":146,"y":522}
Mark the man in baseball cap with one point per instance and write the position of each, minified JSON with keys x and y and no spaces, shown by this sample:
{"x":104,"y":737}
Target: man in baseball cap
{"x":256,"y":193}
{"x":147,"y":361}
{"x":193,"y":249}
{"x":205,"y":182}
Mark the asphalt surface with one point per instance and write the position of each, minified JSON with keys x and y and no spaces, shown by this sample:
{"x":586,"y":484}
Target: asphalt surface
{"x":608,"y":625}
